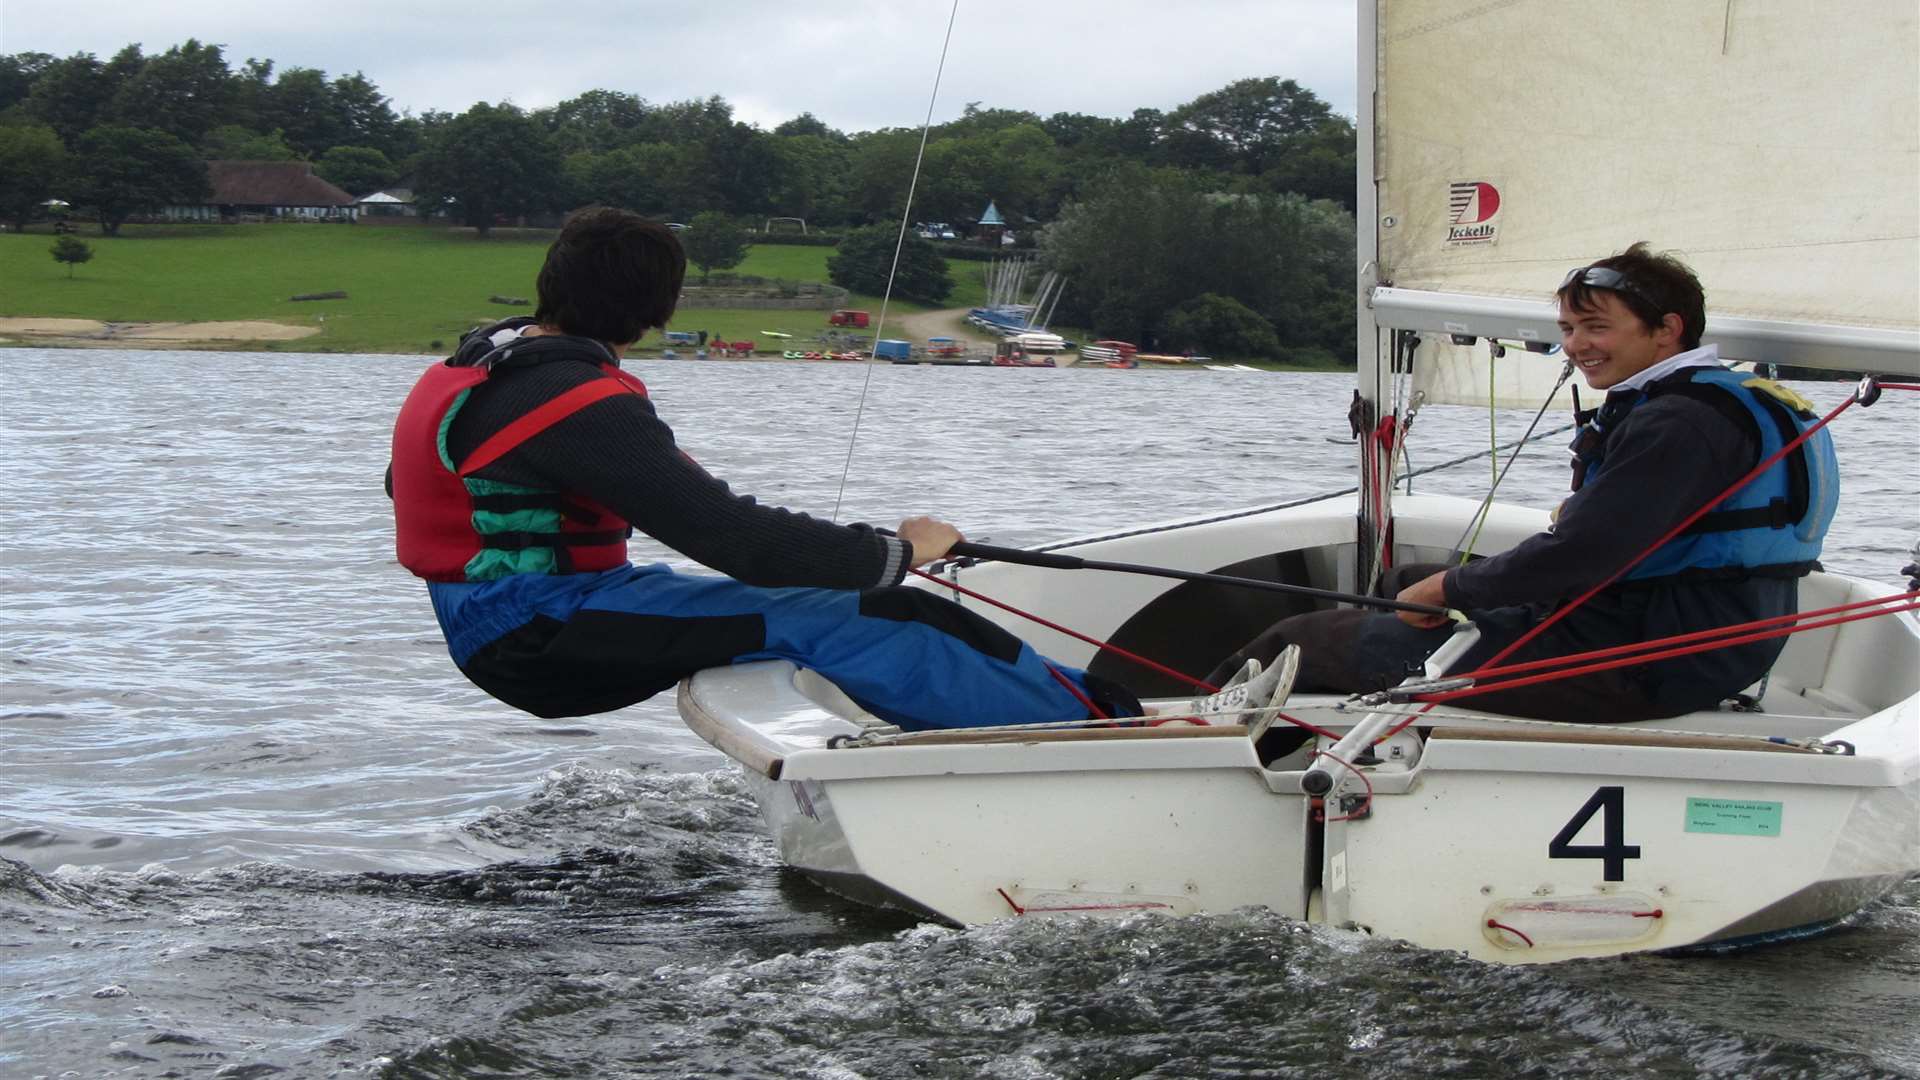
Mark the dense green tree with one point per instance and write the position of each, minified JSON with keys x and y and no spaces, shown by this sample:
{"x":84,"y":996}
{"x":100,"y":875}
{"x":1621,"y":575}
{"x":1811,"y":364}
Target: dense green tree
{"x":714,"y":242}
{"x":654,"y":179}
{"x":121,"y":171}
{"x":366,"y":117}
{"x":808,"y":124}
{"x":1220,"y":325}
{"x":71,"y":250}
{"x":1318,"y":164}
{"x":32,"y":161}
{"x":1142,"y":243}
{"x":492,"y":160}
{"x":186,"y":92}
{"x":70,"y":96}
{"x":1136,"y":137}
{"x":688,"y":123}
{"x":879,"y":173}
{"x":252,"y":85}
{"x":301,"y":104}
{"x":740,"y":169}
{"x":1069,"y":130}
{"x":17,"y":73}
{"x":595,"y":122}
{"x":356,"y":170}
{"x":811,"y":178}
{"x":975,"y":120}
{"x":865,"y":259}
{"x":1250,"y":119}
{"x":231,"y":142}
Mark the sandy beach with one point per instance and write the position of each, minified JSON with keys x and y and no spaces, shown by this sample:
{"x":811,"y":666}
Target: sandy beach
{"x":84,"y":333}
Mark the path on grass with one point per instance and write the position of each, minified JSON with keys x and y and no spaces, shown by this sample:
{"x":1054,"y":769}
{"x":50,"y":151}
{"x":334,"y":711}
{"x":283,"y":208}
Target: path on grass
{"x":948,"y":322}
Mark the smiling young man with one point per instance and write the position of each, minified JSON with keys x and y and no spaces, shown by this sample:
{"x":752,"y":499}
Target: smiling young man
{"x":1676,"y":430}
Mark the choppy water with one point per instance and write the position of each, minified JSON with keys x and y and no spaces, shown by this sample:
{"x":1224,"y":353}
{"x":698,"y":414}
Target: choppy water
{"x":252,"y":822}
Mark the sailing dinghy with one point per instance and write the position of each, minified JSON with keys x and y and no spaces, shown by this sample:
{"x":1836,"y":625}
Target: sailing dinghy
{"x":1410,"y":815}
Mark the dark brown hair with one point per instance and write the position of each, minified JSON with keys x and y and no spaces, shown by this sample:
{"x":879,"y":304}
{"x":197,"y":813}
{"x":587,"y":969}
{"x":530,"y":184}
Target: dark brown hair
{"x":611,"y":275}
{"x":1656,"y":284}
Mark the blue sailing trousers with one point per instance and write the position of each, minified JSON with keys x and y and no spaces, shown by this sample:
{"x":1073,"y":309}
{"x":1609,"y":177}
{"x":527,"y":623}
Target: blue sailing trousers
{"x":577,"y":644}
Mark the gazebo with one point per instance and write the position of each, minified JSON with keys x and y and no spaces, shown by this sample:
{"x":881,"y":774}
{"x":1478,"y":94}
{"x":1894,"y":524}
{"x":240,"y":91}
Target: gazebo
{"x":992,"y":226}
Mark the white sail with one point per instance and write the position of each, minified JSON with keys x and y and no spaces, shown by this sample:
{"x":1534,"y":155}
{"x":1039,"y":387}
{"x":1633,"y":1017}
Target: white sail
{"x":1516,"y":140}
{"x":1448,"y":374}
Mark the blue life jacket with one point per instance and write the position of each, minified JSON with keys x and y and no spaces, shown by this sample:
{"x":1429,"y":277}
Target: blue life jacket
{"x":1775,"y":523}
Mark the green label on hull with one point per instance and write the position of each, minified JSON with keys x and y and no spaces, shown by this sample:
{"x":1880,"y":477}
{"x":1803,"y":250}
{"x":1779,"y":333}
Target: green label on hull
{"x":1733,"y":817}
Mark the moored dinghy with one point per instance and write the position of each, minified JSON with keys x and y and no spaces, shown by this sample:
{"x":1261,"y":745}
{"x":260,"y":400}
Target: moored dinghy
{"x":1514,"y":841}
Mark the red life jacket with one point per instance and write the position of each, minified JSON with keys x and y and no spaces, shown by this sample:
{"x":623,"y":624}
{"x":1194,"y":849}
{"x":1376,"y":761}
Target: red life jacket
{"x":453,"y":528}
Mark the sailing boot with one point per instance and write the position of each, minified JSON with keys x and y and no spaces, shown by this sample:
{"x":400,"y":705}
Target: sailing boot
{"x":1252,"y":694}
{"x":1279,"y":678}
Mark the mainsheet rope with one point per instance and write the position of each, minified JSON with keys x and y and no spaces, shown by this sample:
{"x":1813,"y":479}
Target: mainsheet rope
{"x":1136,"y":658}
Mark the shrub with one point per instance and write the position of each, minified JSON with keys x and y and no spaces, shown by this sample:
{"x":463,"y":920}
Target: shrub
{"x":70,"y":250}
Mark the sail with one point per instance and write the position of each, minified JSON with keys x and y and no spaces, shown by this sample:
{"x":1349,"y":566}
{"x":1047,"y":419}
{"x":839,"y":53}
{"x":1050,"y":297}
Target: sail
{"x":1448,"y":374}
{"x":1773,"y":146}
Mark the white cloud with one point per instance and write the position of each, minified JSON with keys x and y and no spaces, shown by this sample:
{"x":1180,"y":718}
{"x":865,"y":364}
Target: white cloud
{"x":857,"y":64}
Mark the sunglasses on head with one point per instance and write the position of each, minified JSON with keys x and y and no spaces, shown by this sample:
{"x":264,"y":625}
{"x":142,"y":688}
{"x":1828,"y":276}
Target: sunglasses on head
{"x":1601,"y":277}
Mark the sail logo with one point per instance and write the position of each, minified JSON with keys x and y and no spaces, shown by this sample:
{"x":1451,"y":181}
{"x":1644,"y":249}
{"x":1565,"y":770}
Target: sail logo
{"x":1472,"y":206}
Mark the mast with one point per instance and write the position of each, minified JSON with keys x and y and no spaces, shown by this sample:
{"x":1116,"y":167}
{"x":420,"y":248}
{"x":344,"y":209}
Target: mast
{"x":1373,"y":358}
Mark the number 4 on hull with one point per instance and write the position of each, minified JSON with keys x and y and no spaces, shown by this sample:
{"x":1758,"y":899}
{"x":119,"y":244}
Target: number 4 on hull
{"x":1612,"y":802}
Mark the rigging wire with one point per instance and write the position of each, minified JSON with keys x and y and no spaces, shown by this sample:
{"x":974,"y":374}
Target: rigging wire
{"x":1463,"y":547}
{"x":899,"y":242}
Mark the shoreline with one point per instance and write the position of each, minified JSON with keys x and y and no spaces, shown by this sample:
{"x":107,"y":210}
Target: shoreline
{"x":96,"y":334}
{"x":228,"y":336}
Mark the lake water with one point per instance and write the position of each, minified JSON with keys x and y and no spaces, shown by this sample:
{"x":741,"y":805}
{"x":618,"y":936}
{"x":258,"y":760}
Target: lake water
{"x":253,"y":822}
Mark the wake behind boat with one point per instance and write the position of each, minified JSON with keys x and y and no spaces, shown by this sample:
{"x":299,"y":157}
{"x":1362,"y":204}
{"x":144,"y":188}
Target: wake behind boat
{"x":1410,"y":814}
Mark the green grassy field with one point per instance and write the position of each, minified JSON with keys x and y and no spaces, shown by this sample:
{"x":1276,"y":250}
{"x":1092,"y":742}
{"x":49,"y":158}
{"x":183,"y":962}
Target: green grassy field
{"x":410,"y":289}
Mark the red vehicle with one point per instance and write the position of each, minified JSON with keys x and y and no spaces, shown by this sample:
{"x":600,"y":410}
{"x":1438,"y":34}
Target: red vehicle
{"x":848,"y":317}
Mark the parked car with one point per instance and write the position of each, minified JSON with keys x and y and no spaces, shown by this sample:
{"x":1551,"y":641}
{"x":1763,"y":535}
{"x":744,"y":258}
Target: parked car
{"x":848,"y":317}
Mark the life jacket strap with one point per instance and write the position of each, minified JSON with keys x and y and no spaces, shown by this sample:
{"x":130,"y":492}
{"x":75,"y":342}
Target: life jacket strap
{"x":520,"y":541}
{"x":511,"y":502}
{"x":540,"y":419}
{"x":1777,"y":514}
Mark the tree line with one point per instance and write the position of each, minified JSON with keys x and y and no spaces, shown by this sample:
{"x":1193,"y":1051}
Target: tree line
{"x":125,"y":136}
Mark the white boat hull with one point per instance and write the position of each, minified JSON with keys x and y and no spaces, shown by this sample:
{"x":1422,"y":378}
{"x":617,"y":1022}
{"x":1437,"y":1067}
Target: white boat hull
{"x":1511,"y":842}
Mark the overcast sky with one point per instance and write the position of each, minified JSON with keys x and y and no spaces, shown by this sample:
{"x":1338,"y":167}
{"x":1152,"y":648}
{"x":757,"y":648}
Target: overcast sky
{"x":856,"y":64}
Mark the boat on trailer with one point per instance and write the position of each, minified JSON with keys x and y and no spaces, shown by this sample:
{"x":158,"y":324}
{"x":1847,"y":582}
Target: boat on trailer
{"x":1510,"y":840}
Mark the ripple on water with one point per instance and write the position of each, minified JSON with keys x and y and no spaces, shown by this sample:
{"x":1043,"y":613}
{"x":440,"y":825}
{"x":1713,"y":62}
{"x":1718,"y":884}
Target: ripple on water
{"x":298,"y":840}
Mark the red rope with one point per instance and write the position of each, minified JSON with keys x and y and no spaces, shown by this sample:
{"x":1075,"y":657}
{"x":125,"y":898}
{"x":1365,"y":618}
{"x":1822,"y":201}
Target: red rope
{"x":1203,"y":685}
{"x":1366,"y":801}
{"x":1607,"y":665}
{"x":1697,"y":635}
{"x":1061,"y":677}
{"x":1098,"y":644}
{"x":1563,"y":612}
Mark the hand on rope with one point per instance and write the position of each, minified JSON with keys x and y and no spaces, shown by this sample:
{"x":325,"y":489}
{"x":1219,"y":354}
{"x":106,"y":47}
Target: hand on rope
{"x":930,"y":538}
{"x":1429,"y":591}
